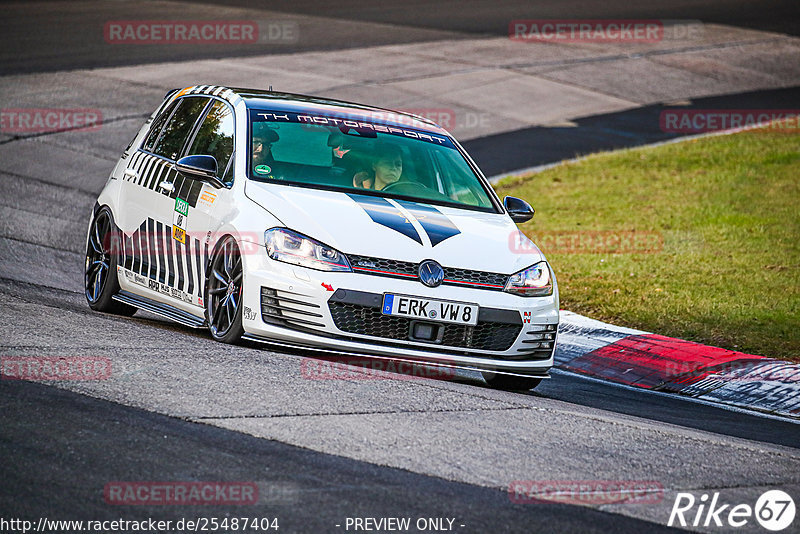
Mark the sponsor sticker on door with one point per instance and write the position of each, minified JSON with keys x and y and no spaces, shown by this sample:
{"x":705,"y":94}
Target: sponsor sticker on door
{"x":206,"y":199}
{"x":179,"y":220}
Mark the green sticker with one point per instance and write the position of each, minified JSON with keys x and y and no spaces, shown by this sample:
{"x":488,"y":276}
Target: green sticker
{"x":263,"y":169}
{"x":182,"y":207}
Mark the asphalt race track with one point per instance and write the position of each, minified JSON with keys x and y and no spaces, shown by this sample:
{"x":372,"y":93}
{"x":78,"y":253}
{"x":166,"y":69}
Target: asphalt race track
{"x":180,"y":407}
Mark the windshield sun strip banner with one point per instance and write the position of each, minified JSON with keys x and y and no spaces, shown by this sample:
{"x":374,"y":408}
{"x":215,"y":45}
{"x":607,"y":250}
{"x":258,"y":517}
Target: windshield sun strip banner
{"x":347,"y":123}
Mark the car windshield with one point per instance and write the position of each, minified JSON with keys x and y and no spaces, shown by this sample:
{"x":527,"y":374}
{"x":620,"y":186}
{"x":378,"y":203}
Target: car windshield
{"x":343,"y":154}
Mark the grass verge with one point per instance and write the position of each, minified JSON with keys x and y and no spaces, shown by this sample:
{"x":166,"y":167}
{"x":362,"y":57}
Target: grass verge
{"x":698,"y":240}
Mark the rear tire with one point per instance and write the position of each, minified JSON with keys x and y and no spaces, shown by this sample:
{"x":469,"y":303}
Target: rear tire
{"x":510,"y":383}
{"x":100,"y":269}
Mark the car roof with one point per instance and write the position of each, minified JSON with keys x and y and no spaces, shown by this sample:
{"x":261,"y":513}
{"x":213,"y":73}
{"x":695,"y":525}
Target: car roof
{"x":297,"y":103}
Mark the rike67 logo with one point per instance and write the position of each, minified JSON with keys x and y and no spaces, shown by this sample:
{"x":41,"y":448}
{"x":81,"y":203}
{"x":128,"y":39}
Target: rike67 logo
{"x":774,"y":510}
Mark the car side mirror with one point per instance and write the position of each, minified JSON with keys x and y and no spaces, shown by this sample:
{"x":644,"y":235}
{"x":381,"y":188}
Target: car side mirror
{"x":202,"y":168}
{"x":519,"y":210}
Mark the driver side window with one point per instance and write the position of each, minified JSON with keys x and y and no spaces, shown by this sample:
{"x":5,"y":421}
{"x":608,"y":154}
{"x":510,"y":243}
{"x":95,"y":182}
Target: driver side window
{"x":172,"y":139}
{"x":215,"y":136}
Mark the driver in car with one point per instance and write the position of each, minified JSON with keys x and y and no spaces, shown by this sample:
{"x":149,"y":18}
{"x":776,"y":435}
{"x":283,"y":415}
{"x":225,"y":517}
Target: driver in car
{"x":387,"y":167}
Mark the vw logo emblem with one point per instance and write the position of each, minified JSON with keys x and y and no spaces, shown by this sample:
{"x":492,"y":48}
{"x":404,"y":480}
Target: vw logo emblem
{"x":430,"y":273}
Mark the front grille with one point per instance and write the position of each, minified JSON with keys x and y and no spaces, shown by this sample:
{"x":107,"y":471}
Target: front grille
{"x":382,"y":265}
{"x":408,"y":270}
{"x":369,"y":321}
{"x":482,"y":278}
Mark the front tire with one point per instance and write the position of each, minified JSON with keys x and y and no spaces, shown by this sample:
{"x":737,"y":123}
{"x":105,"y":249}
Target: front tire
{"x":100,"y":269}
{"x":224,"y":293}
{"x":510,"y":383}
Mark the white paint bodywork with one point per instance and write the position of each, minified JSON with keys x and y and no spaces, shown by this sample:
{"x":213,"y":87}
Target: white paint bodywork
{"x":248,"y":208}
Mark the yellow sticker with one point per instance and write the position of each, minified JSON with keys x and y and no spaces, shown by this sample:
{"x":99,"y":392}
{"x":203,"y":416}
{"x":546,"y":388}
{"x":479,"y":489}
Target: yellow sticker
{"x":179,"y":234}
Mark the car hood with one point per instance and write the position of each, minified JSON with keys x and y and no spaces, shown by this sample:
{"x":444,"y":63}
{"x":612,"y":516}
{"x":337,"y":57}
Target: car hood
{"x":367,"y":225}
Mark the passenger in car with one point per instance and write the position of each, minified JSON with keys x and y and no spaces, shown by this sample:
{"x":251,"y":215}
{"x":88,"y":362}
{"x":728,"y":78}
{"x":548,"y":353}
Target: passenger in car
{"x":262,"y":147}
{"x":386,"y":168}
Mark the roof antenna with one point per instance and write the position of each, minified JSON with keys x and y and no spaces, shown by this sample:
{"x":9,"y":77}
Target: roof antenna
{"x":270,"y":88}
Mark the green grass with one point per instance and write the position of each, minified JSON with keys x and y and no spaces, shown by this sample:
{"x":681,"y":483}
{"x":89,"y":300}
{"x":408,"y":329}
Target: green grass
{"x":718,"y":224}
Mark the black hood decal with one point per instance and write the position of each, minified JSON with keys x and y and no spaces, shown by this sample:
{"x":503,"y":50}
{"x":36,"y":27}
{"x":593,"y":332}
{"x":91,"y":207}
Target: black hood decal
{"x":384,"y":213}
{"x":435,"y":223}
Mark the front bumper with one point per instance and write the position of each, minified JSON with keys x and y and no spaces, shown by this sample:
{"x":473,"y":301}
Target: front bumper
{"x":341,"y":313}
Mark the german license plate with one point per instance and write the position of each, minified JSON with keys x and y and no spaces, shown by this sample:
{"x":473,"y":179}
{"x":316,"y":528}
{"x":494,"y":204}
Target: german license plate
{"x":430,"y":309}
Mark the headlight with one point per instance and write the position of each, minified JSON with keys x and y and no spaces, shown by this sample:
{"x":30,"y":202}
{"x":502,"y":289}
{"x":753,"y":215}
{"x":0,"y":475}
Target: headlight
{"x":291,"y":247}
{"x":535,"y":281}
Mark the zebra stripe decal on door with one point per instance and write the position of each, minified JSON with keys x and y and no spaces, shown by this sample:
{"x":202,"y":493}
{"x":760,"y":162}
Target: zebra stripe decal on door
{"x":151,"y":258}
{"x":149,"y":171}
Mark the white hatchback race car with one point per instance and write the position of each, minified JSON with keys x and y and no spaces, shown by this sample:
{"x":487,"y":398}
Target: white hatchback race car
{"x":310,"y":223}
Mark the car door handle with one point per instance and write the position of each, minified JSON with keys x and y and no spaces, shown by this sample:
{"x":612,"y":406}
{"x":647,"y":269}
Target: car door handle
{"x":169,"y":187}
{"x":132,"y":173}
